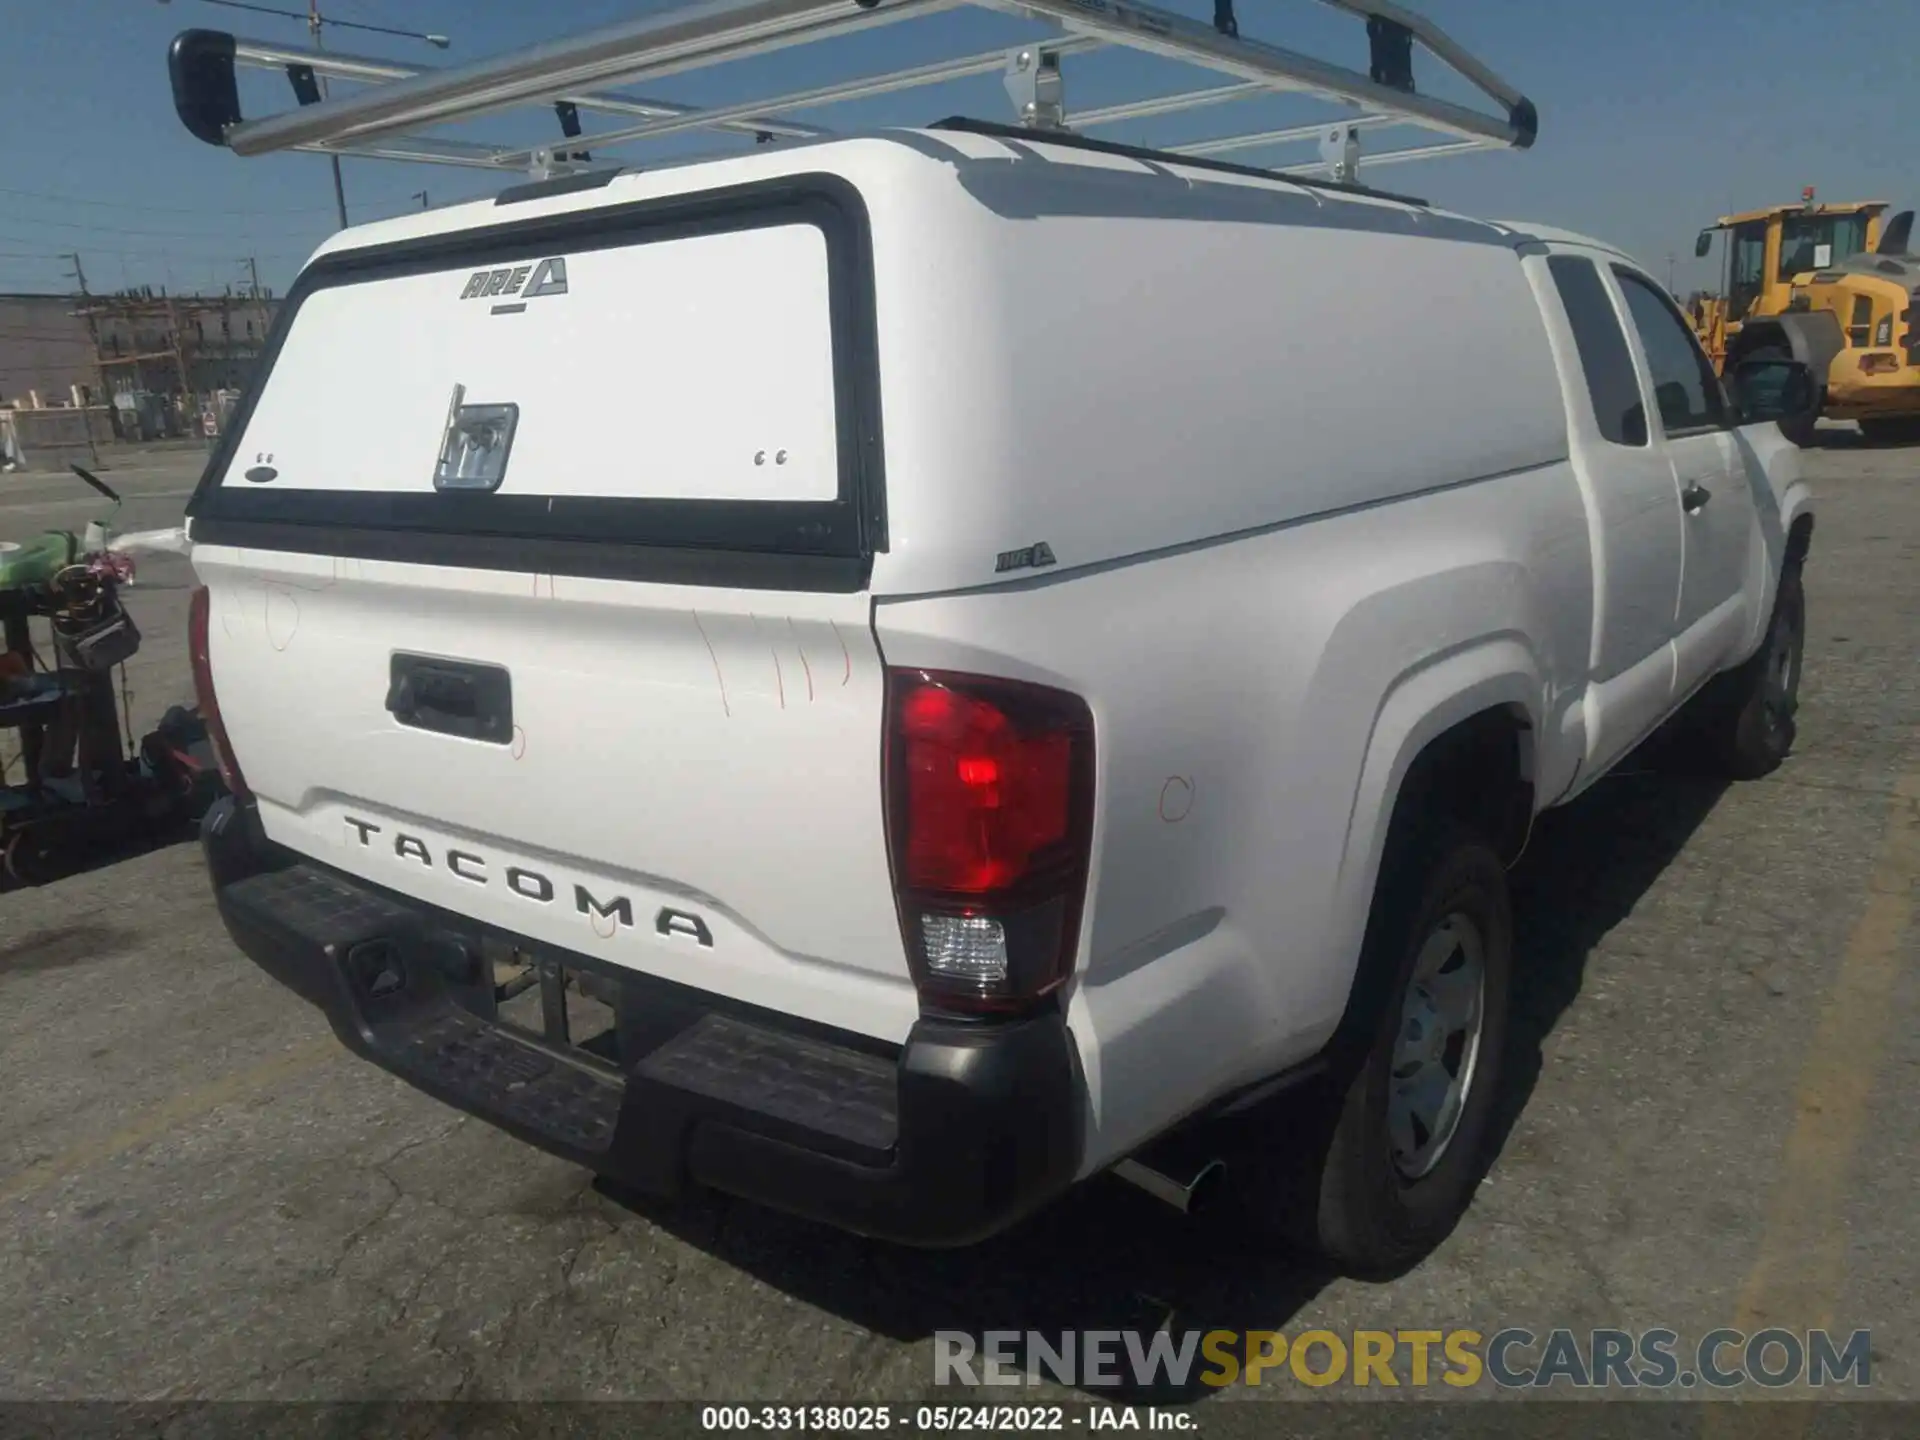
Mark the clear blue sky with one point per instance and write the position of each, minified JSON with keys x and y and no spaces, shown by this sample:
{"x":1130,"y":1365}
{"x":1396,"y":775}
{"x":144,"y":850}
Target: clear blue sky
{"x":1656,"y":116}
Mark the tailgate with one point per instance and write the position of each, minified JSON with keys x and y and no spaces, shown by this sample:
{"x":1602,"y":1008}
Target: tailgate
{"x":536,"y":573}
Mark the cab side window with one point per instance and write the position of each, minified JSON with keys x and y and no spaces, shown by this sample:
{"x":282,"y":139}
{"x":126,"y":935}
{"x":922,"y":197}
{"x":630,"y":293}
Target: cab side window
{"x":1684,"y":385}
{"x":1604,"y":358}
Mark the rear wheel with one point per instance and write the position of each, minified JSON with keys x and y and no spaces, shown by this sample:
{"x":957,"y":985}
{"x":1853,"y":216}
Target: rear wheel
{"x":1905,"y":431}
{"x":1409,"y":1113}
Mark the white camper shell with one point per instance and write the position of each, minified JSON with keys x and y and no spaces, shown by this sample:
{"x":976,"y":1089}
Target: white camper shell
{"x":986,"y":653}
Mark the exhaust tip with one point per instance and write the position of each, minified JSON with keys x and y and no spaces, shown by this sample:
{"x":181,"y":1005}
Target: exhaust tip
{"x":1207,"y":1188}
{"x":1191,"y":1196}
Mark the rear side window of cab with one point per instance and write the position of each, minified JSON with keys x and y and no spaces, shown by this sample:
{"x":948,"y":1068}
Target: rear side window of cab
{"x":1685,"y":389}
{"x":1612,"y":385}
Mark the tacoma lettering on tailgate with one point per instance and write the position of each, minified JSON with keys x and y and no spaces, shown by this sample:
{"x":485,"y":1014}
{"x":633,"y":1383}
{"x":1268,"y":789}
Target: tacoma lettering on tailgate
{"x":531,"y":885}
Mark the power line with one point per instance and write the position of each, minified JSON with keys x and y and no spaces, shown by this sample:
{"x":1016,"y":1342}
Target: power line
{"x":439,"y":42}
{"x":15,"y":215}
{"x":226,"y":246}
{"x":166,"y":209}
{"x":156,"y":242}
{"x":395,"y":200}
{"x":169,"y":239}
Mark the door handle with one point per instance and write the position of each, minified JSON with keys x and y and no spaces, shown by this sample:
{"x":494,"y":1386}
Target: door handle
{"x":1694,"y":497}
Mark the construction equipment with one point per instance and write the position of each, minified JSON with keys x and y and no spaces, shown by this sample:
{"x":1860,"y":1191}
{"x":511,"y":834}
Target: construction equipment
{"x":566,"y":77}
{"x":1830,"y":286}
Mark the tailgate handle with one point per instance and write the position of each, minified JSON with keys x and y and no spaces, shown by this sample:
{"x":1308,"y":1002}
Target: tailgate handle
{"x":452,"y":697}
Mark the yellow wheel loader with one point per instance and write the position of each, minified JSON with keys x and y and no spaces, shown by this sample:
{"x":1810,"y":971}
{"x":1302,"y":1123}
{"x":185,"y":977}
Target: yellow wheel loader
{"x":1827,"y":285}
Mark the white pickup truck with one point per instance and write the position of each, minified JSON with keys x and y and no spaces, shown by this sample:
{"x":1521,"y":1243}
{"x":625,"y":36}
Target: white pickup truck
{"x":981,"y":651}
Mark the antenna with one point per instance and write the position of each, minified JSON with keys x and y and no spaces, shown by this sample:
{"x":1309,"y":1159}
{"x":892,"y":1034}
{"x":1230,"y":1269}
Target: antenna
{"x":97,"y":483}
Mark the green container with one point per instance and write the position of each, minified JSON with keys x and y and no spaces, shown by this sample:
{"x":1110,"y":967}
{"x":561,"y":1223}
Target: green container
{"x":35,"y":561}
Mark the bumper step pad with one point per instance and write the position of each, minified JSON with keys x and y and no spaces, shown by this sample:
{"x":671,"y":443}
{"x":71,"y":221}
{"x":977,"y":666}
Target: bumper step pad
{"x":824,"y":1088}
{"x":496,"y":1073}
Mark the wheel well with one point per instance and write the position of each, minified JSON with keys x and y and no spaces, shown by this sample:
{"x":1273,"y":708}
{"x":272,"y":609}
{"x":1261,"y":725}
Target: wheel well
{"x":1799,"y":539}
{"x":1478,"y":772}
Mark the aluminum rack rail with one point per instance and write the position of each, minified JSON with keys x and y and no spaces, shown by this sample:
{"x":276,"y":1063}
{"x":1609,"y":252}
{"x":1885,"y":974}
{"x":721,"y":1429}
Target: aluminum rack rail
{"x":385,"y":119}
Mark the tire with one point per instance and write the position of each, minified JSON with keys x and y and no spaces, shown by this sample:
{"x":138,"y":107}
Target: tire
{"x":33,"y":856}
{"x":1385,"y":1189}
{"x":1747,"y":716}
{"x":1905,"y":431}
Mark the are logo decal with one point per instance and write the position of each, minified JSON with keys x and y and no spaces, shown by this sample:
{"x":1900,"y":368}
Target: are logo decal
{"x":528,"y":282}
{"x":1027,"y":558}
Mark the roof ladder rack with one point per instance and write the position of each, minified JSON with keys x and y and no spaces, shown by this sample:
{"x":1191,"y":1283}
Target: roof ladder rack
{"x":396,"y":105}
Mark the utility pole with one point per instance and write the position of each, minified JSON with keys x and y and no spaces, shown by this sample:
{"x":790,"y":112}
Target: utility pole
{"x":339,"y":190}
{"x":256,"y":311}
{"x":179,"y":353}
{"x":93,"y":333}
{"x":421,"y":196}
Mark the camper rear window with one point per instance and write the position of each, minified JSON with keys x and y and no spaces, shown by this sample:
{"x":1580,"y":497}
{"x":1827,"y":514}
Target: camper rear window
{"x":694,"y":375}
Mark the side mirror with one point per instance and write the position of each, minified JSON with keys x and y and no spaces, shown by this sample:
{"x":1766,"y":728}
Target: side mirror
{"x":1772,"y":390}
{"x":1702,"y":245}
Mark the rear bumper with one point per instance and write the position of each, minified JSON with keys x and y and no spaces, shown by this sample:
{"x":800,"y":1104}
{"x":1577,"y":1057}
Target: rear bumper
{"x":951,"y":1138}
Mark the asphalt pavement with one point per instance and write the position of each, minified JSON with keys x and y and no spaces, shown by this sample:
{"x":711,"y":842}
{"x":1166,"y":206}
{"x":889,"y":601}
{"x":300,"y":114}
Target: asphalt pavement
{"x":1717,"y":1048}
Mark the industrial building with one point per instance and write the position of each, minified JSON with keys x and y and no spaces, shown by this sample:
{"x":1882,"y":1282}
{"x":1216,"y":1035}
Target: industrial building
{"x":138,"y":341}
{"x":44,"y":349}
{"x":130,"y":366}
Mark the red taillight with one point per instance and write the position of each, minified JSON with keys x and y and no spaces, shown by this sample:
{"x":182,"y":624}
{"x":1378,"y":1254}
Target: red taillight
{"x":200,"y":653}
{"x":990,"y":795}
